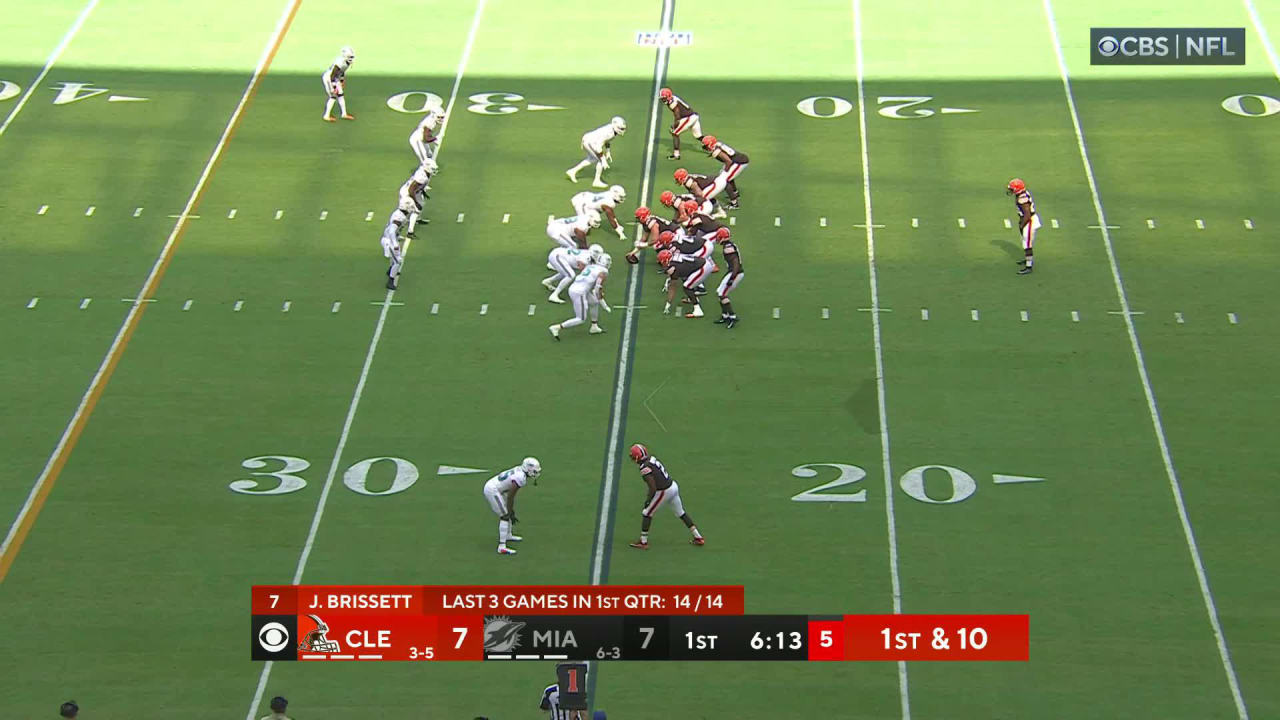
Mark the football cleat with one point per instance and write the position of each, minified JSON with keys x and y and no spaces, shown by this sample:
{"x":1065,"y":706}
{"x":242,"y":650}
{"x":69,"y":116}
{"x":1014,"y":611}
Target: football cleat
{"x":348,"y":116}
{"x":596,"y":330}
{"x":599,"y":184}
{"x":674,"y":155}
{"x":733,"y":204}
{"x":506,"y":551}
{"x":698,"y":541}
{"x":697,"y":312}
{"x":665,"y":94}
{"x":411,"y":235}
{"x":639,"y":452}
{"x":708,"y":141}
{"x":329,"y":119}
{"x":555,"y":331}
{"x":733,"y":320}
{"x":1024,"y":270}
{"x":1016,"y":186}
{"x":680,"y":175}
{"x":553,"y":298}
{"x":391,"y":283}
{"x":572,"y":178}
{"x":548,"y":284}
{"x":723,"y":319}
{"x":700,"y":290}
{"x":514,"y":538}
{"x":639,"y":545}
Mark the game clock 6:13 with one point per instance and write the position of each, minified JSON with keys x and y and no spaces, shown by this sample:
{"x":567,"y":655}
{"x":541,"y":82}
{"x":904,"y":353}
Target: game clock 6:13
{"x":754,"y":637}
{"x":793,"y":640}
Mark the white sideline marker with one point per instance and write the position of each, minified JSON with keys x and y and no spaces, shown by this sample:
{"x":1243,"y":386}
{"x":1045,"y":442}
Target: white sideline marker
{"x":368,"y":216}
{"x":31,"y":305}
{"x":1025,"y":316}
{"x":460,"y":216}
{"x":336,"y":307}
{"x":1231,"y":317}
{"x":960,"y":222}
{"x":187,"y":305}
{"x":231,"y":214}
{"x":777,"y":221}
{"x":1177,"y":317}
{"x":532,"y":308}
{"x":1008,"y":225}
{"x":43,"y":209}
{"x":973,"y":314}
{"x":1075,"y":316}
{"x":85,"y":303}
{"x":924,"y":313}
{"x":279,"y":214}
{"x":822,"y":222}
{"x":1248,"y":224}
{"x":324,"y":214}
{"x":777,"y":313}
{"x":1199,"y":224}
{"x":826,"y":313}
{"x":287,"y":304}
{"x":484,"y":308}
{"x":506,"y":218}
{"x":1151,"y":224}
{"x":435,"y":308}
{"x":137,"y":212}
{"x":733,"y":220}
{"x":1054,"y":223}
{"x":89,"y":211}
{"x":915,"y":222}
{"x":239,"y":304}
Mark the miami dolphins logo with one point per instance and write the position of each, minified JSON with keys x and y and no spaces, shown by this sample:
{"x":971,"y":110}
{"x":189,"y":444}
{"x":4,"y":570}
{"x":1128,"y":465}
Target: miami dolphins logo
{"x":501,"y":634}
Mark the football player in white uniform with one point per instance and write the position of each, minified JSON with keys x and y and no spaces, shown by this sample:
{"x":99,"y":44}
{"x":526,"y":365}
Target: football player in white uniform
{"x":391,"y":248}
{"x":587,"y":294}
{"x":602,"y":202}
{"x":335,"y":84}
{"x":596,"y":145}
{"x":500,"y":492}
{"x":567,"y":263}
{"x":414,"y":190}
{"x":425,"y":138}
{"x":572,"y":231}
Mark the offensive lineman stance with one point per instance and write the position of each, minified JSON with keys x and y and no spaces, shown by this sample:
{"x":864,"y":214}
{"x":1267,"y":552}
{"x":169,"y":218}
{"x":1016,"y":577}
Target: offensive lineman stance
{"x":500,"y":492}
{"x":335,"y":84}
{"x":662,"y":490}
{"x":1028,"y":221}
{"x":735,"y":161}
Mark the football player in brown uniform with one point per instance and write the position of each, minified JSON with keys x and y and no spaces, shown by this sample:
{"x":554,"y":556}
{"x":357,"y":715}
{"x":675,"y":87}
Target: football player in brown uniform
{"x":733,"y":260}
{"x":662,"y":491}
{"x":1028,"y":221}
{"x":735,"y":161}
{"x":684,"y":119}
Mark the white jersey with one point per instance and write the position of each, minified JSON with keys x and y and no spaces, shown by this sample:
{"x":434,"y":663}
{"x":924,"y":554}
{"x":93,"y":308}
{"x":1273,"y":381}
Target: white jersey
{"x":338,"y":69}
{"x":574,"y":258}
{"x":588,"y":281}
{"x":507,"y":480}
{"x":563,"y":228}
{"x":419,"y":176}
{"x":587,"y":200}
{"x":430,"y":122}
{"x":392,"y":231}
{"x":598,"y":138}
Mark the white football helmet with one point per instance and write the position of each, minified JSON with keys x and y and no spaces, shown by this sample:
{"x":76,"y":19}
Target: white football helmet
{"x":348,"y":53}
{"x":619,"y":125}
{"x":407,"y":205}
{"x":605,"y":260}
{"x":593,"y":218}
{"x":595,"y":251}
{"x":532,"y":468}
{"x":618,"y":193}
{"x":430,"y":167}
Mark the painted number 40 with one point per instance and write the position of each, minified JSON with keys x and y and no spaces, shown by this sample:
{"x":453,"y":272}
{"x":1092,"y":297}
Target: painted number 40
{"x":960,"y":484}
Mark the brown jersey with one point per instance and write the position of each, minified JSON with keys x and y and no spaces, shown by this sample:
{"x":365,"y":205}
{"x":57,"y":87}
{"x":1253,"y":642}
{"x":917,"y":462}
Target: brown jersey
{"x":679,"y":108}
{"x":652,"y":468}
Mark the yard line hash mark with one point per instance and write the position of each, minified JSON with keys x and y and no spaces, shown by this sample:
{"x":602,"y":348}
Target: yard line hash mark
{"x":777,"y":313}
{"x":137,"y":212}
{"x":231,"y":215}
{"x":532,"y":309}
{"x":336,"y":306}
{"x":1231,"y":318}
{"x":435,"y":308}
{"x":32,"y":304}
{"x":279,"y":214}
{"x":309,"y":543}
{"x":924,"y":313}
{"x":974,"y":315}
{"x":822,"y":222}
{"x":1157,"y":425}
{"x":1151,"y":224}
{"x":826,"y":313}
{"x":484,"y":309}
{"x":1054,"y":223}
{"x":287,"y":304}
{"x":324,"y":214}
{"x":1177,"y":317}
{"x":187,"y":305}
{"x":238,"y":306}
{"x":777,"y":221}
{"x":506,"y":218}
{"x":461,"y":216}
{"x":57,"y":459}
{"x":1199,"y":224}
{"x":43,"y":209}
{"x":84,"y":304}
{"x":1075,"y":316}
{"x":1248,"y":224}
{"x":960,"y":222}
{"x":1025,"y":316}
{"x":368,"y":216}
{"x":88,"y":212}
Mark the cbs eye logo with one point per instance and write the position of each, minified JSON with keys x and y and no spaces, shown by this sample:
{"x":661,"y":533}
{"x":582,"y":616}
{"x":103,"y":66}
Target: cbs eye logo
{"x":273,"y":637}
{"x":1108,"y":46}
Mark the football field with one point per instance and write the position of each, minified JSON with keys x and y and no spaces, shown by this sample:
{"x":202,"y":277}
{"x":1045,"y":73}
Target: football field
{"x":206,"y":385}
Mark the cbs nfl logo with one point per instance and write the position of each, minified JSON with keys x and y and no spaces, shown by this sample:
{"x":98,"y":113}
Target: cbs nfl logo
{"x":274,"y":637}
{"x":1166,"y":46}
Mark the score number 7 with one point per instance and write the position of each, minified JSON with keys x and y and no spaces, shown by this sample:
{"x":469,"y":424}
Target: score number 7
{"x":462,"y":635}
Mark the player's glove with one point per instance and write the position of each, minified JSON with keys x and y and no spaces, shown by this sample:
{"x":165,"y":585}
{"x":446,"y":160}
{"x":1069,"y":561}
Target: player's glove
{"x":622,"y":234}
{"x":605,"y":305}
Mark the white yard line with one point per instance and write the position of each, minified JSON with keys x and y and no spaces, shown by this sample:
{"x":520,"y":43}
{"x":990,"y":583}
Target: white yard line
{"x":1262,"y":34}
{"x":48,"y":65}
{"x":364,"y":373}
{"x":890,"y":522}
{"x":1175,"y":487}
{"x":148,"y":286}
{"x":628,"y":323}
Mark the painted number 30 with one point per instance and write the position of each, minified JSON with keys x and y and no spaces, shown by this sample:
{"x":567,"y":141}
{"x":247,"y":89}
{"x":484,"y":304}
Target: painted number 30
{"x":960,"y":487}
{"x":287,"y":479}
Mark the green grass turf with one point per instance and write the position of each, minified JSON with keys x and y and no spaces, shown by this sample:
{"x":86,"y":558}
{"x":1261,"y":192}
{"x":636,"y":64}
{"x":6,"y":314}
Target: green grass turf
{"x":141,"y":539}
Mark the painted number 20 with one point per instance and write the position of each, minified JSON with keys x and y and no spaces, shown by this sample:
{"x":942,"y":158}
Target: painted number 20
{"x":962,"y":485}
